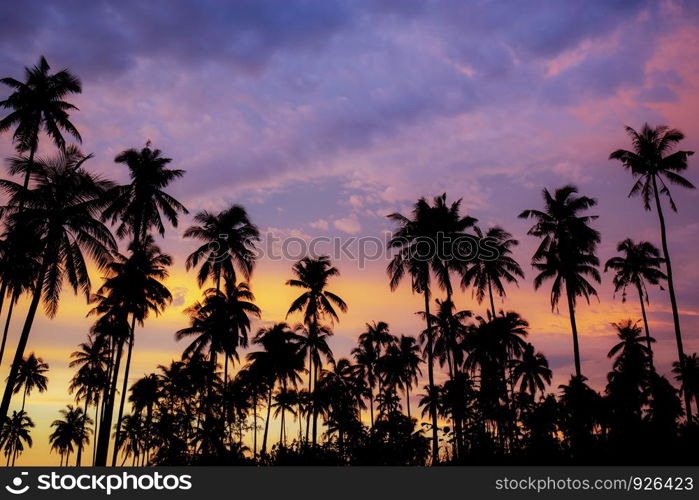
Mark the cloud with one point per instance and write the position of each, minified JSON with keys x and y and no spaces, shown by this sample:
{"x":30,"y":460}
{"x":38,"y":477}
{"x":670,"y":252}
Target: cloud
{"x":349,"y":225}
{"x":319,"y":224}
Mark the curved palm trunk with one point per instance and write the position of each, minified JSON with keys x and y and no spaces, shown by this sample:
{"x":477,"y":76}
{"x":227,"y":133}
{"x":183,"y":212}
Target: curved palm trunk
{"x":3,"y":292}
{"x":371,"y":404}
{"x":645,"y":320}
{"x":107,"y":411}
{"x":310,"y":393}
{"x":22,"y":343}
{"x":574,"y":329}
{"x":492,"y":301}
{"x":254,"y":426}
{"x":7,"y":327}
{"x":124,"y":389}
{"x":407,"y":399}
{"x":263,"y":451}
{"x":430,"y":377}
{"x":82,"y":433}
{"x":315,"y":409}
{"x":95,"y":434}
{"x":673,"y":299}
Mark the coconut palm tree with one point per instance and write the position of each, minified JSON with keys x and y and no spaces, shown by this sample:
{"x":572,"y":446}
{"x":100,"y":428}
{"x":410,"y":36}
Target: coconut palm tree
{"x":407,"y":352}
{"x":640,"y":264}
{"x":20,"y":252}
{"x":63,"y":207}
{"x":315,"y":303}
{"x":71,"y":430}
{"x":654,"y":163}
{"x":489,"y":271}
{"x":566,"y":253}
{"x":416,"y":243}
{"x":228,"y":241}
{"x":37,"y":104}
{"x":449,"y":329}
{"x":531,"y":371}
{"x":145,"y":394}
{"x":14,"y":435}
{"x":134,"y":285}
{"x":366,"y":357}
{"x":689,"y":376}
{"x":140,"y":205}
{"x":30,"y":376}
{"x":279,"y":361}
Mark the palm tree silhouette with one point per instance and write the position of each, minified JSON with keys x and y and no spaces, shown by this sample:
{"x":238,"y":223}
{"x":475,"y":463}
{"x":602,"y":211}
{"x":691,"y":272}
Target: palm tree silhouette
{"x":72,"y":429}
{"x":137,"y":206}
{"x":37,"y":104}
{"x":228,"y":239}
{"x":91,"y":378}
{"x":689,"y":376}
{"x":62,"y":207}
{"x":449,"y":328}
{"x":279,"y":361}
{"x":407,"y":364}
{"x":654,"y":164}
{"x":416,"y":242}
{"x":134,"y":286}
{"x":30,"y":376}
{"x":640,"y":264}
{"x":145,"y":394}
{"x":532,"y":371}
{"x":316,"y":303}
{"x":567,"y":250}
{"x":15,"y":433}
{"x":486,"y":273}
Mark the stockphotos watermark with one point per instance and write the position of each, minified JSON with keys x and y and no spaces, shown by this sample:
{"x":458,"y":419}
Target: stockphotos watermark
{"x":275,"y":246}
{"x":104,"y":483}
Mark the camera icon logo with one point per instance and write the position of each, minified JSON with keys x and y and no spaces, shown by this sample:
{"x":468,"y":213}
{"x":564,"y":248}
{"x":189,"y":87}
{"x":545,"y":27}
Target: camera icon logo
{"x":16,"y":488}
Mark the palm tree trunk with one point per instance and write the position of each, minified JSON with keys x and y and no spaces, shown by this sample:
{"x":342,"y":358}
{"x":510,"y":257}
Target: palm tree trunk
{"x":407,"y":398}
{"x":124,"y":389}
{"x":315,"y":409}
{"x":574,"y":328}
{"x":673,"y":299}
{"x":3,"y":292}
{"x":645,"y":321}
{"x":490,"y":293}
{"x":310,"y":392}
{"x":24,"y":398}
{"x":107,"y":412}
{"x":22,"y":343}
{"x":371,"y":405}
{"x":263,"y":451}
{"x":82,"y":433}
{"x":95,"y":434}
{"x":254,"y":425}
{"x":430,"y":377}
{"x":7,"y":327}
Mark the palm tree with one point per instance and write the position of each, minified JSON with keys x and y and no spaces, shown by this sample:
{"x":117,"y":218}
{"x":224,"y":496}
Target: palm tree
{"x":689,"y":376}
{"x":567,"y":250}
{"x":63,"y":207}
{"x":137,"y":206}
{"x":630,"y":349}
{"x":449,"y":327}
{"x":19,"y":262}
{"x":653,"y":164}
{"x":15,"y":433}
{"x":639,"y":265}
{"x":37,"y":104}
{"x":228,"y":241}
{"x":145,"y":394}
{"x":316,"y":303}
{"x":366,"y":358}
{"x":134,"y":286}
{"x":72,"y":429}
{"x":531,"y":371}
{"x":409,"y":359}
{"x":280,"y":360}
{"x":30,"y":376}
{"x":488,"y":272}
{"x":429,"y":225}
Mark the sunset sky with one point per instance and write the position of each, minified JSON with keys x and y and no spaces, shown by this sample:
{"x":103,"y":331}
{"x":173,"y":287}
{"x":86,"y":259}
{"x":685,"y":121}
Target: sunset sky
{"x":322,"y":117}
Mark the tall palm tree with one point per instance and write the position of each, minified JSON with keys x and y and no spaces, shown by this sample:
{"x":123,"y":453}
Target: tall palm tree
{"x":449,"y":327}
{"x":279,"y":361}
{"x":489,"y":271}
{"x":228,"y":241}
{"x":409,"y":359}
{"x":91,"y":378}
{"x":145,"y":394}
{"x":30,"y":376}
{"x":654,"y":164}
{"x":71,"y":430}
{"x":137,"y":206}
{"x":15,"y":433}
{"x":566,"y":253}
{"x":531,"y":371}
{"x":315,"y":303}
{"x":38,"y":104}
{"x":134,"y":285}
{"x":63,"y":207}
{"x":688,"y":376}
{"x":426,"y":230}
{"x":640,"y":264}
{"x":20,"y":253}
